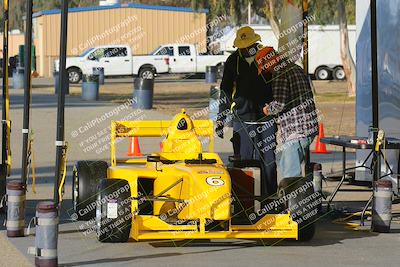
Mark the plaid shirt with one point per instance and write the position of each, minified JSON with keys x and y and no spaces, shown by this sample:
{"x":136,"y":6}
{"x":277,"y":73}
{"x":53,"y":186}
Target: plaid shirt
{"x":294,"y":104}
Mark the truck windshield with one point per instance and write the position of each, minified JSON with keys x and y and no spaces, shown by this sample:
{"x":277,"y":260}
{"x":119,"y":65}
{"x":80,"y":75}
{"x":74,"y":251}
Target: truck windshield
{"x":154,"y":51}
{"x":86,"y":52}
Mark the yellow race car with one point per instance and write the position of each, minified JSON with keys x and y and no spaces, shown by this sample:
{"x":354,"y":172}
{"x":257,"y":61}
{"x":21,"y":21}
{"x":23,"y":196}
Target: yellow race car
{"x":185,"y":191}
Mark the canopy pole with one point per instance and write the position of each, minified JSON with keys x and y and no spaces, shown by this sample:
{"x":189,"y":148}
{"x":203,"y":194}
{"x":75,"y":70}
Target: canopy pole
{"x":375,"y":86}
{"x":6,"y":124}
{"x":305,"y":67}
{"x":305,"y":40}
{"x":27,"y":90}
{"x":60,"y":137}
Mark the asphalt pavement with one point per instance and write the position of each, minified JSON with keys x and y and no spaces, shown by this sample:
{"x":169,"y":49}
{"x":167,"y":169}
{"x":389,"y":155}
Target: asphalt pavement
{"x":87,"y":125}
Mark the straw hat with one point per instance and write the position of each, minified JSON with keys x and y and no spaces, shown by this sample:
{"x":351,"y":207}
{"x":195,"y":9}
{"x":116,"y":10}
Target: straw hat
{"x":246,"y":37}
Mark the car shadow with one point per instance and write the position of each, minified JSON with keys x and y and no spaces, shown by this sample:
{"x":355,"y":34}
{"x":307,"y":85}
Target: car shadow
{"x":327,"y":234}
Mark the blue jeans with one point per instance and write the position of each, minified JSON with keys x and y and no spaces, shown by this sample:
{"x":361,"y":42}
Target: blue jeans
{"x":292,"y":155}
{"x":255,"y":141}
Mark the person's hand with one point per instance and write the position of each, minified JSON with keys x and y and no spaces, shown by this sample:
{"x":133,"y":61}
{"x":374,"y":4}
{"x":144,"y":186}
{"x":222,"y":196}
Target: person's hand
{"x":219,"y":130}
{"x":266,"y":110}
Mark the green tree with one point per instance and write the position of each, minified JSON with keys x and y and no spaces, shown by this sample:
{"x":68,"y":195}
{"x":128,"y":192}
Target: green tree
{"x":222,"y":7}
{"x":325,"y":12}
{"x":180,"y":3}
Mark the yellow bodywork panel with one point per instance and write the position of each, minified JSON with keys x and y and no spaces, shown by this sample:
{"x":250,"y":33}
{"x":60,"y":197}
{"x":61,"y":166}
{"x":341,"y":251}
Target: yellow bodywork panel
{"x":188,"y":186}
{"x":274,"y":226}
{"x":193,"y":185}
{"x":176,"y":141}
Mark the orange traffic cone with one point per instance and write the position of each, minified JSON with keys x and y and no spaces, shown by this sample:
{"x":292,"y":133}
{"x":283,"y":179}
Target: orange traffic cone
{"x":320,"y":148}
{"x":134,"y":148}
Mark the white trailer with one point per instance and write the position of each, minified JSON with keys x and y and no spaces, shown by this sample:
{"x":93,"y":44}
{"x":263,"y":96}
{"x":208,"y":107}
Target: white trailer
{"x":324,"y":48}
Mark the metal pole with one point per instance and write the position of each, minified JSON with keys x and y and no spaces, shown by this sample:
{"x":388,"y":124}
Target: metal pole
{"x":5,"y":169}
{"x":60,"y":138}
{"x":27,"y":90}
{"x":305,"y":67}
{"x":375,"y":89}
{"x":305,"y":40}
{"x":375,"y":103}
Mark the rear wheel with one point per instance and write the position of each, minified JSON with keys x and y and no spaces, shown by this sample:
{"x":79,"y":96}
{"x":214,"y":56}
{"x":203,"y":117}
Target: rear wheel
{"x":339,"y":74}
{"x":113,"y":211}
{"x":322,"y":73}
{"x":74,"y":75}
{"x":85,"y":179}
{"x":220,"y":70}
{"x":302,"y":202}
{"x":147,"y":73}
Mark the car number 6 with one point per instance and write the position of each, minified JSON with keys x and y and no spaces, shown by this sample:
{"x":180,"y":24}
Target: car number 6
{"x":215,"y":181}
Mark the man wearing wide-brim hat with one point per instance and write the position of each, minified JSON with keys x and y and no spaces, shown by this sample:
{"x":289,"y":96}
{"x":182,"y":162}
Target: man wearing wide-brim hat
{"x":245,"y":90}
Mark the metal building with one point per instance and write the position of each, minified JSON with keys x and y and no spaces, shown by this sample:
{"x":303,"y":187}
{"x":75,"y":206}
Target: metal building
{"x":15,"y":40}
{"x":142,"y":27}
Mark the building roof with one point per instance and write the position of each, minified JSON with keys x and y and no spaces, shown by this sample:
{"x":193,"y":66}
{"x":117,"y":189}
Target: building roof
{"x":131,"y":5}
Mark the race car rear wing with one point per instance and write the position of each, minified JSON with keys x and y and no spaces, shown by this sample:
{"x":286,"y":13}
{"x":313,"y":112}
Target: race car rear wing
{"x":125,"y":129}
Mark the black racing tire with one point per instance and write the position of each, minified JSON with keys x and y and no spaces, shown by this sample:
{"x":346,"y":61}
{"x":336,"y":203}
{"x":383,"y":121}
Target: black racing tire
{"x":85,"y":179}
{"x":113,"y":211}
{"x":147,"y":73}
{"x":302,"y":202}
{"x":74,"y":75}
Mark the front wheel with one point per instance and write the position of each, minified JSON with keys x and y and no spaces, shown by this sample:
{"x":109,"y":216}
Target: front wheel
{"x":74,"y":75}
{"x":302,"y":203}
{"x":147,"y":73}
{"x":113,"y":211}
{"x":85,"y":179}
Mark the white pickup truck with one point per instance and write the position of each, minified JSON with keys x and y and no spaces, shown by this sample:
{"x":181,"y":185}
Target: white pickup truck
{"x":117,"y":60}
{"x":184,"y":58}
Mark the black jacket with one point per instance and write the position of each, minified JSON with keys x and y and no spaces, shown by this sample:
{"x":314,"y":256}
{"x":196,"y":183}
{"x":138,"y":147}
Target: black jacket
{"x":245,"y":91}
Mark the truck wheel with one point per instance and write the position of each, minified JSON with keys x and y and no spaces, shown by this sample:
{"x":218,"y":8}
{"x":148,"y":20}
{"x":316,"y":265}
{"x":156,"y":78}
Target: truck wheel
{"x":85,"y":180}
{"x":147,"y":73}
{"x":113,"y":211}
{"x":302,"y":202}
{"x":74,"y":75}
{"x":220,"y":70}
{"x":322,"y":73}
{"x":339,"y":74}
